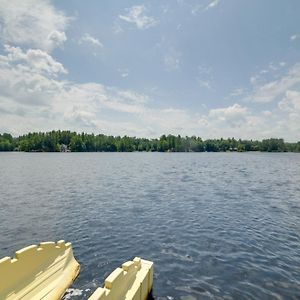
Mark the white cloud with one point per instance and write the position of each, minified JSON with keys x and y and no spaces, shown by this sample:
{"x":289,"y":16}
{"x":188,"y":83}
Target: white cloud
{"x":204,"y":77}
{"x":123,"y":72}
{"x":236,"y":121}
{"x":32,"y":23}
{"x":172,"y":60}
{"x":136,"y":15}
{"x":56,"y":38}
{"x":282,"y":63}
{"x":87,"y":38}
{"x":275,"y":66}
{"x":33,"y":97}
{"x":34,"y":100}
{"x":34,"y":61}
{"x":253,"y":79}
{"x":169,"y":120}
{"x":234,"y":115}
{"x":237,"y":92}
{"x":269,"y":91}
{"x":202,"y":7}
{"x":291,"y":102}
{"x":294,"y":37}
{"x":133,"y":96}
{"x":28,"y":81}
{"x":212,"y":4}
{"x":271,"y":70}
{"x":117,"y":28}
{"x":205,"y":83}
{"x":267,"y":113}
{"x":290,"y":108}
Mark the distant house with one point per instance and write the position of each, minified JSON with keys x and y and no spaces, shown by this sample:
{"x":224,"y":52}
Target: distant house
{"x":64,"y":148}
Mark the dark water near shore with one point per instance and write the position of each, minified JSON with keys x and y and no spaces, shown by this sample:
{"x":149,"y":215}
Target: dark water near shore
{"x":217,"y":225}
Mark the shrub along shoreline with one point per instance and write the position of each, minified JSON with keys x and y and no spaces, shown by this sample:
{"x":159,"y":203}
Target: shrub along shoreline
{"x":67,"y":141}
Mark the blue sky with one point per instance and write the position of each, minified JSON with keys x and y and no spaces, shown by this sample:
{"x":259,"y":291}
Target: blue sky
{"x":211,"y":68}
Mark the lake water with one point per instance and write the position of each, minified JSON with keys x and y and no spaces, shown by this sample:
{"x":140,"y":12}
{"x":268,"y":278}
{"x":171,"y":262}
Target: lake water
{"x":216,"y":225}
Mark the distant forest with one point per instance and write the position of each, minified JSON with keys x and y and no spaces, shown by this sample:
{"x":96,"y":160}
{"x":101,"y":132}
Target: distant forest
{"x":67,"y":141}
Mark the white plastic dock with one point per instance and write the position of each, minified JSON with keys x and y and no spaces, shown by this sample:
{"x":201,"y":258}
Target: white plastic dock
{"x":37,"y":272}
{"x":133,"y":281}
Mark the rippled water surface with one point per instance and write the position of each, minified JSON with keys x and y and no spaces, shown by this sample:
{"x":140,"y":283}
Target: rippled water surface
{"x":217,"y":225}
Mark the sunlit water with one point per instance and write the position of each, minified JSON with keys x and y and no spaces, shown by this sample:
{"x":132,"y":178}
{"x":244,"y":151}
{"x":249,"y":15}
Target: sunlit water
{"x":216,"y":225}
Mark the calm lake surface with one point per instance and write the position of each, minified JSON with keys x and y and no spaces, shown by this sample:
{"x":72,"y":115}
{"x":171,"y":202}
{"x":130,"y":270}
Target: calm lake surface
{"x":216,"y":225}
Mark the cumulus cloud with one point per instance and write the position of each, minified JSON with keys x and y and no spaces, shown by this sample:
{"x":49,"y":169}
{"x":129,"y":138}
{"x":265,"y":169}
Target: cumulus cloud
{"x":33,"y":97}
{"x":243,"y":122}
{"x":271,"y":70}
{"x":56,"y":38}
{"x":33,"y":23}
{"x":87,"y":38}
{"x":234,"y":121}
{"x":25,"y":85}
{"x":291,"y":102}
{"x":34,"y":60}
{"x":269,"y":91}
{"x":290,"y":107}
{"x":136,"y":15}
{"x":234,"y":116}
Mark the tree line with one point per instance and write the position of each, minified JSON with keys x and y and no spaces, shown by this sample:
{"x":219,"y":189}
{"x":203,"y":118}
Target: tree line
{"x":65,"y":141}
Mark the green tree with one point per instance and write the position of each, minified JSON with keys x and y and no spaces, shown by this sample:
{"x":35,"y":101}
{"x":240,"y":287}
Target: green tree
{"x":77,"y":144}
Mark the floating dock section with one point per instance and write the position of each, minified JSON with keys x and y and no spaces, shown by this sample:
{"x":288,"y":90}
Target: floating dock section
{"x":45,"y":271}
{"x":133,"y":281}
{"x":37,"y":272}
